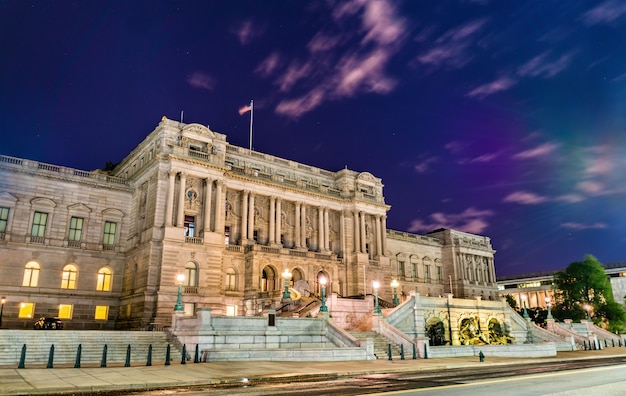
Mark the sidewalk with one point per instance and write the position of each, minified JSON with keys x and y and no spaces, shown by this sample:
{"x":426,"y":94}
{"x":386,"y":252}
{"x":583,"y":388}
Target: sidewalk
{"x":32,"y":381}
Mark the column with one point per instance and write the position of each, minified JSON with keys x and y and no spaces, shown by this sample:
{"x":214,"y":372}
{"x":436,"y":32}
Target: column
{"x":169,"y":203}
{"x":384,"y":235}
{"x":303,"y":226}
{"x":219,"y":225}
{"x":326,"y":230}
{"x":297,"y":237}
{"x":342,"y":233}
{"x":180,"y":219}
{"x":320,"y":228}
{"x":363,"y":235}
{"x":272,"y":220}
{"x":357,"y":240}
{"x":208,"y":190}
{"x":251,"y":216}
{"x":279,"y":220}
{"x":379,"y":239}
{"x":244,"y":217}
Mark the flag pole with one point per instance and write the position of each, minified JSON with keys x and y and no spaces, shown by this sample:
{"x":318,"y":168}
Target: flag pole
{"x":251,"y":117}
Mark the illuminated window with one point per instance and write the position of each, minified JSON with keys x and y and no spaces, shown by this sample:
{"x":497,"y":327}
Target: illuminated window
{"x":76,"y":228}
{"x":102,"y":312}
{"x":189,"y":309}
{"x":26,"y":310}
{"x":109,"y":233}
{"x":4,"y":219}
{"x":104,"y":279}
{"x":231,"y":280}
{"x":39,"y":224}
{"x":31,"y":275}
{"x":68,"y":281}
{"x":65,"y":311}
{"x":231,"y":310}
{"x":190,"y":226}
{"x":191,"y":274}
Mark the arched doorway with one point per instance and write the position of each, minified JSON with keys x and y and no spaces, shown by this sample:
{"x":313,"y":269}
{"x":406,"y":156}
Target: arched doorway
{"x":268,"y":279}
{"x":436,"y":331}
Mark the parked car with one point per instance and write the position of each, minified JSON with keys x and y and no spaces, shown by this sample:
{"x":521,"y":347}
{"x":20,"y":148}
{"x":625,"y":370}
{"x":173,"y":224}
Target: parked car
{"x":48,"y":324}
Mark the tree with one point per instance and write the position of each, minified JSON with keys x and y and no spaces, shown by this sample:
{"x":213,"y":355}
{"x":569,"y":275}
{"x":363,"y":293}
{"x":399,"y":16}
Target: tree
{"x":586,"y":282}
{"x":512,"y":302}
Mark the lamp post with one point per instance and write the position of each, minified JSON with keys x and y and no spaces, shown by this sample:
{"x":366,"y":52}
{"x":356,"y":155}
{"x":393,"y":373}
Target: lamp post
{"x":549,"y":311}
{"x":587,"y":308}
{"x":178,"y":308}
{"x":286,"y":277}
{"x":523,"y":297}
{"x":323,"y":308}
{"x":394,"y":286}
{"x":376,"y":285}
{"x":3,"y":300}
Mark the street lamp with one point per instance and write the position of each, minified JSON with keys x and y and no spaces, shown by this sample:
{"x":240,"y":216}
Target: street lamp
{"x":394,"y":286}
{"x":523,"y":297}
{"x":323,"y":308}
{"x":376,"y":285}
{"x":286,"y":277}
{"x":549,"y":311}
{"x":178,"y":308}
{"x":587,"y":308}
{"x":3,"y":300}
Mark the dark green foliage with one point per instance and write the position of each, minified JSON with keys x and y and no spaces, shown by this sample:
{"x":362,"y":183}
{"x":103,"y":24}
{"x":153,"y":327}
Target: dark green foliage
{"x":511,"y":301}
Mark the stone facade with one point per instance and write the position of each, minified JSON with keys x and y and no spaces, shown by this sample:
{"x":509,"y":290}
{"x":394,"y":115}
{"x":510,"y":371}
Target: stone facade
{"x":103,"y":249}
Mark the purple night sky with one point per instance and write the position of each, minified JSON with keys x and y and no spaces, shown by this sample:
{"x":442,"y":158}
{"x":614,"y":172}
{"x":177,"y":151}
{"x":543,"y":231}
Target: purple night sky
{"x":501,"y":118}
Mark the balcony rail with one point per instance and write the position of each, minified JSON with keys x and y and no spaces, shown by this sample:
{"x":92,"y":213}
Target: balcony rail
{"x":190,"y":289}
{"x":74,"y":244}
{"x":194,"y":240}
{"x":37,"y":239}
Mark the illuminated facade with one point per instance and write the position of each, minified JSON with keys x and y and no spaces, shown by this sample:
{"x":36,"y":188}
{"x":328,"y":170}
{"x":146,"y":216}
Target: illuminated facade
{"x":104,"y":249}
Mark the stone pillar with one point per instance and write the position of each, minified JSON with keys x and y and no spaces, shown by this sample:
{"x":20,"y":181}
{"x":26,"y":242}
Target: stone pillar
{"x":279,"y":219}
{"x":379,"y":237}
{"x":208,"y":190}
{"x":342,"y":234}
{"x":297,"y":237}
{"x":244,"y":217}
{"x":303,"y":226}
{"x":180,"y":219}
{"x":272,"y":220}
{"x":219,"y":224}
{"x":169,"y":203}
{"x":363,"y":234}
{"x":251,"y":217}
{"x":384,"y":236}
{"x":326,"y":230}
{"x":357,"y":240}
{"x":320,"y":228}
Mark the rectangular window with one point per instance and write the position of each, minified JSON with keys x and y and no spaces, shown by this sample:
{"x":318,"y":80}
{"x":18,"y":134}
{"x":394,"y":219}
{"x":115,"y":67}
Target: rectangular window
{"x":39,"y":224}
{"x":26,"y":310}
{"x":231,"y":310}
{"x":427,"y":273}
{"x":401,"y":269}
{"x":190,"y":226}
{"x":231,"y":281}
{"x":102,"y":312}
{"x":109,"y":233}
{"x":227,"y":235}
{"x":438,"y":274}
{"x":414,"y":270}
{"x":189,"y":309}
{"x":4,"y":219}
{"x":65,"y":311}
{"x":31,"y":275}
{"x":76,"y":228}
{"x":255,"y":236}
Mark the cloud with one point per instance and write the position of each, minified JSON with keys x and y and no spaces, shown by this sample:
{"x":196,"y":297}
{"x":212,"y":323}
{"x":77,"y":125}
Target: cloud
{"x":425,"y":165}
{"x":600,"y":161}
{"x":480,"y":159}
{"x":201,"y":81}
{"x":267,"y":67}
{"x":542,"y":66}
{"x":580,"y":226}
{"x":470,"y":220}
{"x":501,"y":84}
{"x":607,"y":12}
{"x":539,"y":151}
{"x":363,"y":74}
{"x":570,"y":198}
{"x":525,"y":198}
{"x":301,"y":105}
{"x":455,"y":146}
{"x":247,"y":31}
{"x":591,"y":187}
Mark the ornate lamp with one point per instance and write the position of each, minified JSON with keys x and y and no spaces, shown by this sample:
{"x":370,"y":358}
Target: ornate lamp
{"x":376,"y":285}
{"x":323,"y":308}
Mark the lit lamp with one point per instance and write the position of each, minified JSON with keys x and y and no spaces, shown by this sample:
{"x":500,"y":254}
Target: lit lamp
{"x":179,"y":302}
{"x":286,"y":277}
{"x":394,"y":286}
{"x":3,"y":300}
{"x":549,"y":311}
{"x":523,"y":297}
{"x":587,"y":308}
{"x":376,"y":285}
{"x":323,"y":308}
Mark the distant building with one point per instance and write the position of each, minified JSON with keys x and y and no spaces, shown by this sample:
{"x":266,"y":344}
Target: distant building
{"x":104,"y":249}
{"x":532,"y":289}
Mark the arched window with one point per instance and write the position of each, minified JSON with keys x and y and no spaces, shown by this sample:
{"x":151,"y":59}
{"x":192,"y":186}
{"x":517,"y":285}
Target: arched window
{"x":104,"y":279}
{"x":231,"y":280}
{"x":191,"y":274}
{"x":68,"y":281}
{"x":31,"y":274}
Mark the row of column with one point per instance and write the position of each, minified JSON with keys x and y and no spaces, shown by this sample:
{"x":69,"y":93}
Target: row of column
{"x":209,"y":211}
{"x":470,"y":266}
{"x":361,"y":233}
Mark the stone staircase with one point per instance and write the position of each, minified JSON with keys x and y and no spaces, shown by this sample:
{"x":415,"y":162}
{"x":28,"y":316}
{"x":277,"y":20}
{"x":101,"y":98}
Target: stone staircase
{"x":38,"y":343}
{"x":381,"y":345}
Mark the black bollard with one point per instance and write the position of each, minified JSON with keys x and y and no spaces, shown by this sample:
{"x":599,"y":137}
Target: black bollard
{"x":127,"y":363}
{"x":22,"y":357}
{"x":425,"y":350}
{"x":401,"y":351}
{"x":619,"y":342}
{"x":183,"y":360}
{"x":103,"y":362}
{"x":51,"y":357}
{"x":481,"y":356}
{"x":414,"y":351}
{"x":389,"y":351}
{"x":605,"y":345}
{"x":585,"y":344}
{"x":78,"y":353}
{"x":167,"y":355}
{"x":196,"y":356}
{"x":612,"y":342}
{"x":149,"y":361}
